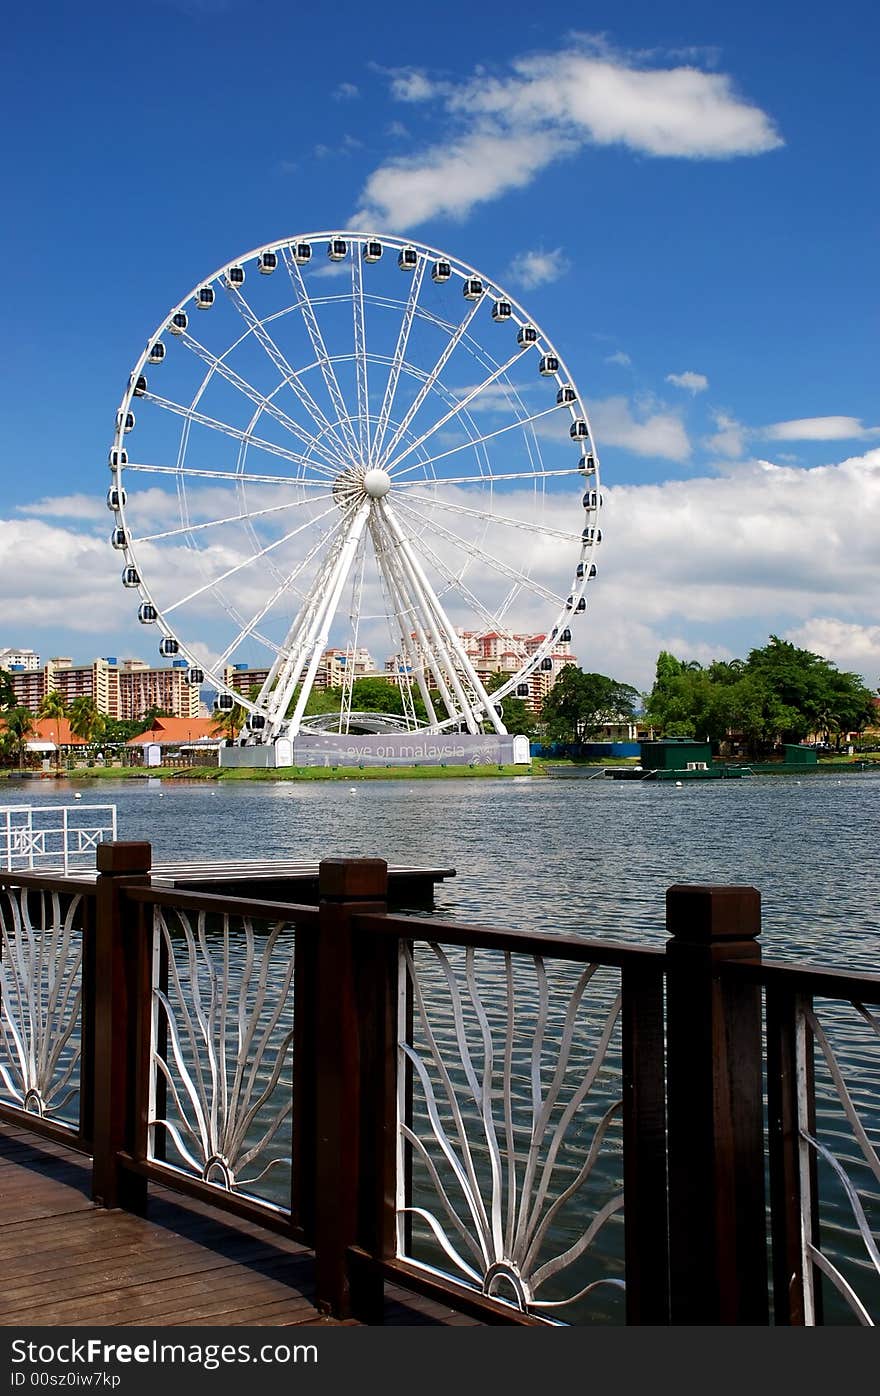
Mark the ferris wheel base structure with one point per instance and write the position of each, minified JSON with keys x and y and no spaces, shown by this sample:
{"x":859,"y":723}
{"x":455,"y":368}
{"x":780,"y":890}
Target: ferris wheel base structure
{"x":330,"y":749}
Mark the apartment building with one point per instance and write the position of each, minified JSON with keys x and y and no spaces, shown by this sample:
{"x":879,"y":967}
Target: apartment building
{"x":141,"y":688}
{"x":241,"y":678}
{"x":126,"y":689}
{"x":492,"y":652}
{"x":28,"y":686}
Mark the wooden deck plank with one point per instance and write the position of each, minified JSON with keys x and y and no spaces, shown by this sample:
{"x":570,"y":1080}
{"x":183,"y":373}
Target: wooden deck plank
{"x":66,"y":1262}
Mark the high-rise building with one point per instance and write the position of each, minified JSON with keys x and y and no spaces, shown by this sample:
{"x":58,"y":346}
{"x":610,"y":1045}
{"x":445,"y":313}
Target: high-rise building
{"x":19,"y":659}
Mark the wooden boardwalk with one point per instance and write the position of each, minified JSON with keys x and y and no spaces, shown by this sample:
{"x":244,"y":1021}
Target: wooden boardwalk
{"x":66,"y":1262}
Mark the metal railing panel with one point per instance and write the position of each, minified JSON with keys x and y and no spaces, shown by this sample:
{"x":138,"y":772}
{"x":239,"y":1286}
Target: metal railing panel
{"x":510,"y":1127}
{"x":43,"y":931}
{"x":220,"y":1079}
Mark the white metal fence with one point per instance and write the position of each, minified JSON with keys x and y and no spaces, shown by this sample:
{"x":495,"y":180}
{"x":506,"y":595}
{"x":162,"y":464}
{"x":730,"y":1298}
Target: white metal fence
{"x":53,"y":836}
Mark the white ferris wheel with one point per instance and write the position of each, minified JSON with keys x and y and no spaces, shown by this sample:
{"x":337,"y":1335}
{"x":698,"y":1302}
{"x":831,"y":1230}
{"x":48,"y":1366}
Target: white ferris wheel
{"x":351,"y":440}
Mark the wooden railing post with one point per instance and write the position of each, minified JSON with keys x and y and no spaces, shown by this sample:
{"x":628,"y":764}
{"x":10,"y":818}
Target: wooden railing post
{"x":117,"y":1033}
{"x":717,"y":1227}
{"x":346,"y":886}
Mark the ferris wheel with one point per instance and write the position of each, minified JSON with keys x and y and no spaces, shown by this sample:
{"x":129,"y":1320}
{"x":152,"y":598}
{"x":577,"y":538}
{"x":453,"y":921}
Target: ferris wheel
{"x":359,"y":441}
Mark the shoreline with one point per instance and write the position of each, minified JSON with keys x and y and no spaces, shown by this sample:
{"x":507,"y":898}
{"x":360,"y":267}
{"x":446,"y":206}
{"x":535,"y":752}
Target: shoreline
{"x":537,"y":770}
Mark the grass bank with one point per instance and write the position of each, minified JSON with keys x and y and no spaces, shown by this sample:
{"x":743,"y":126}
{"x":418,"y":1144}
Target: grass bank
{"x":343,"y":773}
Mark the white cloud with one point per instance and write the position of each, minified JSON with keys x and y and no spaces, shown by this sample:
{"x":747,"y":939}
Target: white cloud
{"x":742,"y":555}
{"x":345,"y":92}
{"x":819,"y":429}
{"x":706,"y":567}
{"x":692,"y":382}
{"x":620,"y":358}
{"x":537,"y":268}
{"x":453,"y":177}
{"x":850,"y":645}
{"x":412,"y":85}
{"x":730,"y":438}
{"x":659,"y":434}
{"x":325,"y":269}
{"x":505,"y":130}
{"x":69,"y":506}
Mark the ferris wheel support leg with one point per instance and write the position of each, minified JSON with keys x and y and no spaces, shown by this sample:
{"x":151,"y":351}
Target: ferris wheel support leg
{"x":319,"y":631}
{"x":449,"y":640}
{"x":397,"y":584}
{"x":285,"y":672}
{"x":453,"y":639}
{"x":401,"y":610}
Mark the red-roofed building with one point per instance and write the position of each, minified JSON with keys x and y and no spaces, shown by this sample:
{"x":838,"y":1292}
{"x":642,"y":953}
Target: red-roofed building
{"x":172,"y":734}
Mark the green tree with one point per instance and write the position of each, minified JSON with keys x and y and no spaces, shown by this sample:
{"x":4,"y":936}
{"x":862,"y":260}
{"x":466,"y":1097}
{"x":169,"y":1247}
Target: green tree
{"x":819,"y":696}
{"x":7,"y":692}
{"x":85,"y":719}
{"x":518,"y":717}
{"x":52,"y":704}
{"x":19,"y":724}
{"x":578,"y":705}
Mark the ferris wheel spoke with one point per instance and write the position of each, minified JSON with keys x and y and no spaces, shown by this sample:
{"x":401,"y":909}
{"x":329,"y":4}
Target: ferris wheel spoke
{"x":214,"y":424}
{"x":490,"y":477}
{"x":248,"y":477}
{"x":231,"y":518}
{"x":286,"y":584}
{"x":397,"y":362}
{"x":489,"y":516}
{"x":454,"y":339}
{"x":512,"y":573}
{"x":289,"y":374}
{"x":460,"y":405}
{"x":318,"y":632}
{"x":478,"y":440}
{"x":239,"y":566}
{"x":262,"y":400}
{"x":360,"y":356}
{"x":325,"y":363}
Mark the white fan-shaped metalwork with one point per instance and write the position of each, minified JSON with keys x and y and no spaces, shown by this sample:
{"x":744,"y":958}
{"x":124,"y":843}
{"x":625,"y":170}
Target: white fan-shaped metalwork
{"x":354,"y":440}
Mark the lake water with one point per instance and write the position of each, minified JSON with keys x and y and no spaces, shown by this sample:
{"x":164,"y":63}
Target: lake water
{"x":580,"y":857}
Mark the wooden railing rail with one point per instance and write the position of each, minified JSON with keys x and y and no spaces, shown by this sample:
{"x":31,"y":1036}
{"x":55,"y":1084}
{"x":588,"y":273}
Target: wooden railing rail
{"x":317,"y":1047}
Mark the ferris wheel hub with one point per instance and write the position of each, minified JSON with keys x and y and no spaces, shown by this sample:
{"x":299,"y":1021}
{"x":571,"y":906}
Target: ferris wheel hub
{"x":377,"y":483}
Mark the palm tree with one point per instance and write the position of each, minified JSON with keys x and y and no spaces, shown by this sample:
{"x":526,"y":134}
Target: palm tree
{"x":85,"y":719}
{"x":228,"y":722}
{"x":52,"y":704}
{"x":20,"y":725}
{"x":53,"y":707}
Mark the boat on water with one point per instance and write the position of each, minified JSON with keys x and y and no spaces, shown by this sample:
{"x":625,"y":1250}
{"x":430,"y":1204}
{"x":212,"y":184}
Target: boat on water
{"x":692,"y":771}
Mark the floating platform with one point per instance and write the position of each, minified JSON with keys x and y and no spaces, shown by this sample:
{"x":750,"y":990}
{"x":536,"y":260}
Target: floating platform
{"x":688,"y":773}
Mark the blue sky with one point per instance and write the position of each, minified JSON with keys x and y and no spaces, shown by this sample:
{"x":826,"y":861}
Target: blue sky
{"x":685,"y":200}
